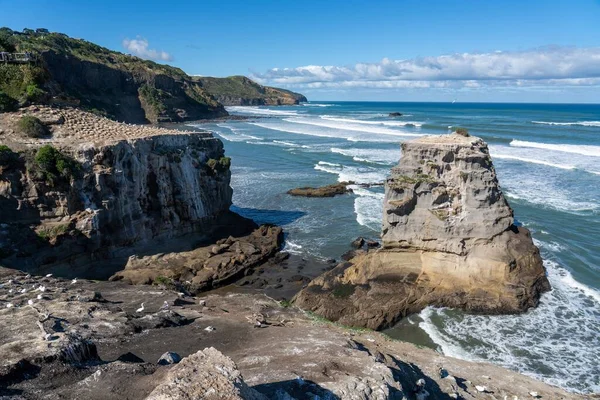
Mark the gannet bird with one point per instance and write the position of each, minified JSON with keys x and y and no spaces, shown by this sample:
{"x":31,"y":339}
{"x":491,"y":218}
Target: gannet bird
{"x":165,"y":306}
{"x":209,"y":329}
{"x":11,"y":290}
{"x":41,"y":288}
{"x":27,"y":276}
{"x":9,"y":305}
{"x":48,"y":276}
{"x":30,"y":302}
{"x":23,"y":290}
{"x":74,"y":281}
{"x":141,"y":309}
{"x":39,"y":297}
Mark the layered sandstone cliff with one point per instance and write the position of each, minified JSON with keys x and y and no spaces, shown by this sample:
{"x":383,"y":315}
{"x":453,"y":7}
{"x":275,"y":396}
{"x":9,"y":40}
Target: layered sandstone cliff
{"x":128,"y":185}
{"x":449,"y":239}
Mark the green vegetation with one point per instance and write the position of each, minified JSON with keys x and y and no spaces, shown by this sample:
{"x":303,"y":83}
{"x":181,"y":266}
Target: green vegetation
{"x":7,"y":42}
{"x":32,"y":127}
{"x":321,"y":320}
{"x":162,"y":280}
{"x":51,"y":164}
{"x":52,"y":232}
{"x":7,"y":103}
{"x":462,"y":131}
{"x":343,"y":291}
{"x":154,"y":98}
{"x":7,"y":156}
{"x":285,"y":303}
{"x":220,"y":165}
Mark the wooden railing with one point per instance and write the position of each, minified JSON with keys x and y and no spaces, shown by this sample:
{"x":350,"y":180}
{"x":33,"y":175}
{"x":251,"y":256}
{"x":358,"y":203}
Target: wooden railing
{"x":17,"y":57}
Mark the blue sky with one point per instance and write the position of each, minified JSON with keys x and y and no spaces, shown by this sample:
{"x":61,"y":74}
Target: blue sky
{"x":353,"y":50}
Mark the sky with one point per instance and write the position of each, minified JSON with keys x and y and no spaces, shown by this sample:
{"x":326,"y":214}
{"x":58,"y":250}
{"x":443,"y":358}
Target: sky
{"x":435,"y":50}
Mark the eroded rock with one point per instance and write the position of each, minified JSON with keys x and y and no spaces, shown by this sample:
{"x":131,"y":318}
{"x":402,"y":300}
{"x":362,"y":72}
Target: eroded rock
{"x":449,"y":239}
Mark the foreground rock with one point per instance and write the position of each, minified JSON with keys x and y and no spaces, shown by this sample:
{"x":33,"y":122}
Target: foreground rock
{"x":281,"y":352}
{"x":449,"y":239}
{"x":208,"y":266}
{"x":323,"y":191}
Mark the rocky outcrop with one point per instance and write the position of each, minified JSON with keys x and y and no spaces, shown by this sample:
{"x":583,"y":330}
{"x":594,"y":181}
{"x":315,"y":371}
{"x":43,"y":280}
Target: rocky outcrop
{"x":449,"y":239}
{"x":242,"y":91}
{"x":205,"y":267}
{"x":323,"y":191}
{"x":207,"y":374}
{"x":126,"y":187}
{"x":95,"y":350}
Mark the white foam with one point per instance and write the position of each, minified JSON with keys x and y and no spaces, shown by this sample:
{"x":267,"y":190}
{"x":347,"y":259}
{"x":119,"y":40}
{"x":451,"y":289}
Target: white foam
{"x":580,"y":123}
{"x":318,"y":105}
{"x":561,"y":334}
{"x":352,"y":174}
{"x":292,"y":247}
{"x":368,"y":207}
{"x":370,"y":122}
{"x":290,"y":144}
{"x":531,"y":160}
{"x":376,"y":156}
{"x":239,"y":134}
{"x":259,"y":111}
{"x":586,"y":150}
{"x":350,"y":126}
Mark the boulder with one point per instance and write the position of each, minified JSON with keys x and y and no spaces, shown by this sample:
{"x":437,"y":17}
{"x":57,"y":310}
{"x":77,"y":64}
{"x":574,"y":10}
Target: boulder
{"x":395,"y":114}
{"x":449,"y":239}
{"x":207,"y":374}
{"x":169,"y":358}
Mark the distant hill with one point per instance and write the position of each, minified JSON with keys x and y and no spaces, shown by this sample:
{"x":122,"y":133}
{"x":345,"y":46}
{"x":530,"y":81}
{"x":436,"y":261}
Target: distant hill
{"x":242,"y":91}
{"x":120,"y":86}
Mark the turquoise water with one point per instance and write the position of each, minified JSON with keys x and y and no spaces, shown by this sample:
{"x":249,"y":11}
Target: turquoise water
{"x":548,"y":162}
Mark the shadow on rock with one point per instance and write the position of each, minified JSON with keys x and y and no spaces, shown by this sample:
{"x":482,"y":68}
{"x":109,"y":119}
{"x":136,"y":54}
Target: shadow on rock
{"x":299,"y":389}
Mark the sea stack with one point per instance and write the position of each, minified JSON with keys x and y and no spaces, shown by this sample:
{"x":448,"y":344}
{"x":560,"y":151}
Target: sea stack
{"x":449,"y":239}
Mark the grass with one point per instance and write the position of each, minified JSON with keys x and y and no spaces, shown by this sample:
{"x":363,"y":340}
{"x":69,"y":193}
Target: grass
{"x":220,"y":165}
{"x":462,"y":131}
{"x":162,"y":280}
{"x":32,"y":127}
{"x":404,"y":181}
{"x":285,"y":303}
{"x":241,"y":87}
{"x":49,"y":233}
{"x":343,"y":291}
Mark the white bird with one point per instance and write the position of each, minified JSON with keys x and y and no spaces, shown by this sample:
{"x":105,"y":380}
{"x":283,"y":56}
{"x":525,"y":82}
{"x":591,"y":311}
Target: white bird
{"x":39,"y":297}
{"x":30,"y":302}
{"x":27,"y":276}
{"x":481,"y":388}
{"x":165,"y":306}
{"x":48,"y":275}
{"x":534,"y":394}
{"x":23,"y":290}
{"x":9,"y":305}
{"x":209,"y":329}
{"x":11,"y":290}
{"x":141,"y":309}
{"x":41,"y":288}
{"x":74,"y":281}
{"x":10,"y":281}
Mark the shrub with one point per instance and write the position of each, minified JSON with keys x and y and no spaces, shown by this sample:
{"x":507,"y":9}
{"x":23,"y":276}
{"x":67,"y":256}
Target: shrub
{"x":53,"y":163}
{"x":7,"y":156}
{"x":7,"y":103}
{"x":32,"y":127}
{"x":34,"y":93}
{"x":462,"y":131}
{"x":52,"y":232}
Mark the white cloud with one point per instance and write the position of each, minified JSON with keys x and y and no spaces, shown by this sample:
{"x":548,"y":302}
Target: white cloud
{"x":550,"y":66}
{"x":139,"y":47}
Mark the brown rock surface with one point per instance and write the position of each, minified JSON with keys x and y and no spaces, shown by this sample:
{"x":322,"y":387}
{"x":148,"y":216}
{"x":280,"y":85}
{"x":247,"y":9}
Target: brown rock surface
{"x":205,"y":267}
{"x":323,"y":191}
{"x":280,"y":351}
{"x":449,"y":239}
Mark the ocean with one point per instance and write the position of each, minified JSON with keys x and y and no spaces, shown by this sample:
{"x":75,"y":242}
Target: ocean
{"x":547,"y":157}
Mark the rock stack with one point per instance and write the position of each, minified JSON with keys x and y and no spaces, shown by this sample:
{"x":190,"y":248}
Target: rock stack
{"x":449,"y":239}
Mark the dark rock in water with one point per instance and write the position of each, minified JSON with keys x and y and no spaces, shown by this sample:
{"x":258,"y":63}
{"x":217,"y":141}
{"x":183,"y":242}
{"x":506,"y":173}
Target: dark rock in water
{"x":331,"y":261}
{"x":129,"y":357}
{"x":395,"y":114}
{"x":169,"y":358}
{"x":324,"y":191}
{"x":372,"y":244}
{"x":358,"y":243}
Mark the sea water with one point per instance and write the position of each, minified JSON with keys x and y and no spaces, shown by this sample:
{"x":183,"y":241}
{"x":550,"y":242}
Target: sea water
{"x":547,"y":158}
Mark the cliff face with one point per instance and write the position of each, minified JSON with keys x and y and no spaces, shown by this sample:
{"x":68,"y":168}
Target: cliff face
{"x":122,"y":87}
{"x":123,"y":192}
{"x":241,"y":91}
{"x":449,"y":239}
